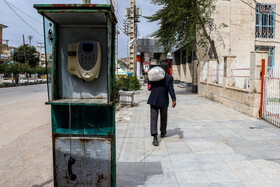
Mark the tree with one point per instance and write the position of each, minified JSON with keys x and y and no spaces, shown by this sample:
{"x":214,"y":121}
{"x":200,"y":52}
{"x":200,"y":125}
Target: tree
{"x":2,"y":68}
{"x":183,"y":23}
{"x":32,"y":58}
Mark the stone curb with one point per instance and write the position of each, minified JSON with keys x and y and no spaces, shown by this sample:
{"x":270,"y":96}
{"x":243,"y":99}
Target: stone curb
{"x":21,"y":84}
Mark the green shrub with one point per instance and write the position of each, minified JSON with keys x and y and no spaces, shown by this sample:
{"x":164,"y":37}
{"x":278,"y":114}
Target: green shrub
{"x":2,"y":68}
{"x":130,"y":83}
{"x":17,"y":68}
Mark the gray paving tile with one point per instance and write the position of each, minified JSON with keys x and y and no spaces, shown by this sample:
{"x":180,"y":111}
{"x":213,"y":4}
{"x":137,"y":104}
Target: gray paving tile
{"x":228,"y":184}
{"x":186,"y":167}
{"x":130,"y":173}
{"x":191,"y":177}
{"x":182,"y":157}
{"x":214,"y":166}
{"x":161,"y":185}
{"x":195,"y":184}
{"x":226,"y":176}
{"x":177,"y":147}
{"x":207,"y":157}
{"x":232,"y":157}
{"x":158,"y":178}
{"x":208,"y":144}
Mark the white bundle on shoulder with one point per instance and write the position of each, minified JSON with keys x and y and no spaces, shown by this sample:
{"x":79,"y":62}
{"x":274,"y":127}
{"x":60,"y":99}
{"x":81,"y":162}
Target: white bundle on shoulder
{"x":156,"y":74}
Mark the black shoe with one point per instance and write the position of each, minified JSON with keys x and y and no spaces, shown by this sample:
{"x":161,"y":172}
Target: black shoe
{"x":155,"y":141}
{"x":163,"y":134}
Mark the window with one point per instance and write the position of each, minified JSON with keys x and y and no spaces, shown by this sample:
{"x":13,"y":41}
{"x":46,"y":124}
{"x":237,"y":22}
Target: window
{"x":265,"y":20}
{"x":269,"y":49}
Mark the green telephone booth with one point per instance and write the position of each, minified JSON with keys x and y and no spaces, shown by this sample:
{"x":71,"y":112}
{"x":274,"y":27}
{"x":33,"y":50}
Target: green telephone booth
{"x":80,"y":56}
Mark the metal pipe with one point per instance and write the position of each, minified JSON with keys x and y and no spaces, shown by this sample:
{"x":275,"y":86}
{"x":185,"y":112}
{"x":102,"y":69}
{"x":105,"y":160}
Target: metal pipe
{"x":262,"y":87}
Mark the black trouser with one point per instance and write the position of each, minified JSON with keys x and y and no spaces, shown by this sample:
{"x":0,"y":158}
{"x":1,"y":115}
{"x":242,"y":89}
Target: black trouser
{"x":154,"y":119}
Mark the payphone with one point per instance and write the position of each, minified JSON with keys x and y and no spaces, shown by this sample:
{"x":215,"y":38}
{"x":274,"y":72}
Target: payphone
{"x":80,"y":46}
{"x":84,"y":59}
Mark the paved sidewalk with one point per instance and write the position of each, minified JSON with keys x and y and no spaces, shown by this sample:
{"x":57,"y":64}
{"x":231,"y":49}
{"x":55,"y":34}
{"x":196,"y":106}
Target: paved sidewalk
{"x":207,"y":144}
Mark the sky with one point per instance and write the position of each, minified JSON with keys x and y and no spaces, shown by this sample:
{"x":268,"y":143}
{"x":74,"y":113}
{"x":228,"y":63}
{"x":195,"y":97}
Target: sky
{"x":17,"y":27}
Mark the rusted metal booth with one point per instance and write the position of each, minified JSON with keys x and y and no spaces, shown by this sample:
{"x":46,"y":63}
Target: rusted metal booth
{"x":80,"y":48}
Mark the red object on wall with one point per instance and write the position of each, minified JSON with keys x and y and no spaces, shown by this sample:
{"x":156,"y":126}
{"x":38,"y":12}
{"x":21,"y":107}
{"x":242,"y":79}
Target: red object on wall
{"x":169,"y":62}
{"x":262,"y":91}
{"x":139,"y":58}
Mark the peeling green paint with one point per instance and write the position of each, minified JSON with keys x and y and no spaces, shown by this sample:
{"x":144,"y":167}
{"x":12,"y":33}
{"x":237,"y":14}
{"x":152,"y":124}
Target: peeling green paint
{"x":92,"y":123}
{"x":86,"y":8}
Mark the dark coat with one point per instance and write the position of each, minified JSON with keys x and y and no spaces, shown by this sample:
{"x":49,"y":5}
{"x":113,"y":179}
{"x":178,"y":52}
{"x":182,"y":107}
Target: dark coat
{"x":159,"y":92}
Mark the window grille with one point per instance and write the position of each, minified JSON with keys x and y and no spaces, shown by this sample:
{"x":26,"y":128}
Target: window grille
{"x":271,"y":50}
{"x":265,"y":20}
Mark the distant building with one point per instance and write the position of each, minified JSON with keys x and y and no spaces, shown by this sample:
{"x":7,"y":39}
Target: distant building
{"x":42,"y":59}
{"x":149,"y":54}
{"x":3,"y":45}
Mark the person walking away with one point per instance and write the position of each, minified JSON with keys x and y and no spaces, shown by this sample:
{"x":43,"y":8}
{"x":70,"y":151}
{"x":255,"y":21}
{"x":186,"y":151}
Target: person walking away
{"x":159,"y":102}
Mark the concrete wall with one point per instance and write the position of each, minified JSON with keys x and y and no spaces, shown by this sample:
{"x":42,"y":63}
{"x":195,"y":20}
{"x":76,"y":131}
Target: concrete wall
{"x":241,"y":100}
{"x":248,"y":100}
{"x":238,"y":38}
{"x":176,"y":67}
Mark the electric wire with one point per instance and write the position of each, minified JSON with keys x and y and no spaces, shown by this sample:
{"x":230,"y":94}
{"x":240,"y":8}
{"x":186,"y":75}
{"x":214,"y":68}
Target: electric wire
{"x":255,"y":8}
{"x":261,"y":3}
{"x":22,"y":19}
{"x":25,"y":13}
{"x":121,"y":30}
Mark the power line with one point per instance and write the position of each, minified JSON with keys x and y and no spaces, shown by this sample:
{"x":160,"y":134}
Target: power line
{"x":121,"y":29}
{"x":22,"y":18}
{"x":255,"y":8}
{"x":118,"y":18}
{"x":261,"y":3}
{"x":25,"y":13}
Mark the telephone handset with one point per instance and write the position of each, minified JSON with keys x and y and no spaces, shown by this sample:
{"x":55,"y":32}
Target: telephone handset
{"x":84,"y":59}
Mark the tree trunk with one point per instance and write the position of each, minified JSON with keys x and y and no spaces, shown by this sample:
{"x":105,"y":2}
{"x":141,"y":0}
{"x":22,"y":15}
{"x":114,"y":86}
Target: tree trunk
{"x":212,"y":42}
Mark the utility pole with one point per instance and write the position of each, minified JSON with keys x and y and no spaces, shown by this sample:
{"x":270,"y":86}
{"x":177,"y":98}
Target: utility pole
{"x":40,"y":46}
{"x":30,"y":38}
{"x":24,"y":48}
{"x":87,"y":1}
{"x":133,"y":14}
{"x":117,"y":45}
{"x":132,"y":38}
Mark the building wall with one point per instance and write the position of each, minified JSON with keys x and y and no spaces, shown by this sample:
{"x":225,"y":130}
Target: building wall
{"x":238,"y":39}
{"x":176,"y":67}
{"x":276,"y":41}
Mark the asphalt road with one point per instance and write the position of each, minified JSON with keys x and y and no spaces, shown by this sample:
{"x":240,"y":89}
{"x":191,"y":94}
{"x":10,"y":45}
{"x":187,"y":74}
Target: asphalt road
{"x":14,"y":95}
{"x":25,"y":137}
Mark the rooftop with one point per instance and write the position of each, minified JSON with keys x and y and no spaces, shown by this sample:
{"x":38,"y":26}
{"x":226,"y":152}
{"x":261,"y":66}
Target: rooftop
{"x":3,"y":26}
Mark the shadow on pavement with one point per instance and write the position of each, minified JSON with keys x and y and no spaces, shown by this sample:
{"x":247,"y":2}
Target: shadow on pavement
{"x":184,"y":92}
{"x":43,"y":184}
{"x":176,"y":131}
{"x":136,"y":104}
{"x":137,"y":173}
